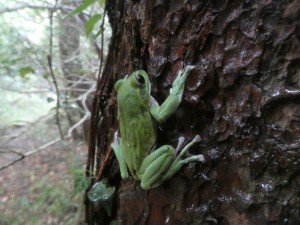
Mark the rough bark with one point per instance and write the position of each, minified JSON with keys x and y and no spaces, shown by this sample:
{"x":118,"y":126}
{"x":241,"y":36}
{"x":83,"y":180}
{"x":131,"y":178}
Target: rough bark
{"x":243,"y":98}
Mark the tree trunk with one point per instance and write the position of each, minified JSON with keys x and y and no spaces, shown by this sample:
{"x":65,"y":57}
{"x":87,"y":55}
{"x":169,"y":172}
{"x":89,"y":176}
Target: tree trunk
{"x":243,"y":99}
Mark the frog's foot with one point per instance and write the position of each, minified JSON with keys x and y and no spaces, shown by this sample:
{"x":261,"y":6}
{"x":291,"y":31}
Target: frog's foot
{"x":169,"y":106}
{"x":195,"y":140}
{"x":178,"y":162}
{"x":178,"y":84}
{"x":116,"y":139}
{"x":179,"y":145}
{"x":119,"y":154}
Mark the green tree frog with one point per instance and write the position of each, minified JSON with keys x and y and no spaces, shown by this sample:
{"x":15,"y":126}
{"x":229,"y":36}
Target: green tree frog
{"x":137,"y":111}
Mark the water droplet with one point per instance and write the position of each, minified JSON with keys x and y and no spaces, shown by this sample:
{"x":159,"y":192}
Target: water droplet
{"x":225,"y":199}
{"x":167,"y":219}
{"x":244,"y":197}
{"x":267,"y":187}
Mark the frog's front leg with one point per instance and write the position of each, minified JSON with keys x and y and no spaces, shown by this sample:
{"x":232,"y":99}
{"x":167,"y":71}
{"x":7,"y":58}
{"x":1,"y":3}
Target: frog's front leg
{"x":163,"y":163}
{"x":116,"y":146}
{"x":169,"y":106}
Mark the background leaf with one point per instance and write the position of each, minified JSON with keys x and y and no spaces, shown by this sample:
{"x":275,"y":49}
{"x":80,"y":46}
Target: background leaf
{"x":25,"y":70}
{"x":89,"y":26}
{"x":81,"y":7}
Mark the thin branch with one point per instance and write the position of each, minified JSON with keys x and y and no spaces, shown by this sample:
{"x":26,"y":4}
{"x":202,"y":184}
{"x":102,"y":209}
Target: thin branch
{"x":58,"y":97}
{"x":102,"y":44}
{"x":21,"y":156}
{"x":49,"y":57}
{"x":43,"y":147}
{"x":26,"y":92}
{"x":29,"y":153}
{"x":29,"y":125}
{"x":36,"y":7}
{"x":87,"y":112}
{"x":21,"y":7}
{"x":34,"y":151}
{"x":44,"y":91}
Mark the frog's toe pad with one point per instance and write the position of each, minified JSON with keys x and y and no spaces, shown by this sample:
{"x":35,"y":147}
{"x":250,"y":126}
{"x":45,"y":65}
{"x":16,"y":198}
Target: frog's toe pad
{"x":197,"y":138}
{"x":201,"y":158}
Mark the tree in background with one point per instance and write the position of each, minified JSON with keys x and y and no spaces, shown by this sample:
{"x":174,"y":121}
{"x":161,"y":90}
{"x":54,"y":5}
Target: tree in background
{"x":39,"y":61}
{"x":47,"y":56}
{"x":45,"y":59}
{"x":242,"y":98}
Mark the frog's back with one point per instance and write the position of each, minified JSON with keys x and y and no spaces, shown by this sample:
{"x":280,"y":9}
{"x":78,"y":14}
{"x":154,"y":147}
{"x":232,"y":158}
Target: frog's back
{"x":136,"y":126}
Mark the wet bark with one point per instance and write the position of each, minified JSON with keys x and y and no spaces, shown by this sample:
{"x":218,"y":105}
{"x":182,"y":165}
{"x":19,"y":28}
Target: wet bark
{"x":243,"y":98}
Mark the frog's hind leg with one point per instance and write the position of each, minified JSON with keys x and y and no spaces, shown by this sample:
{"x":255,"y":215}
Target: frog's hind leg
{"x":154,"y":165}
{"x":164,"y":162}
{"x":119,"y":154}
{"x":178,"y":162}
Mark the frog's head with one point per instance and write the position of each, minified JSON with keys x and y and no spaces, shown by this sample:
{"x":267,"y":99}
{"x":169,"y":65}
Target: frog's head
{"x":137,"y":80}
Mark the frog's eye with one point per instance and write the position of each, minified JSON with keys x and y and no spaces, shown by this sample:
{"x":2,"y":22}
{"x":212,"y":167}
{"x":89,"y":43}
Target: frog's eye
{"x":140,"y":79}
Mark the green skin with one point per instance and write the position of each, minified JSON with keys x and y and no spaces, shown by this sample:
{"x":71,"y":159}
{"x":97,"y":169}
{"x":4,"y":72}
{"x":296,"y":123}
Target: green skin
{"x":136,"y":110}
